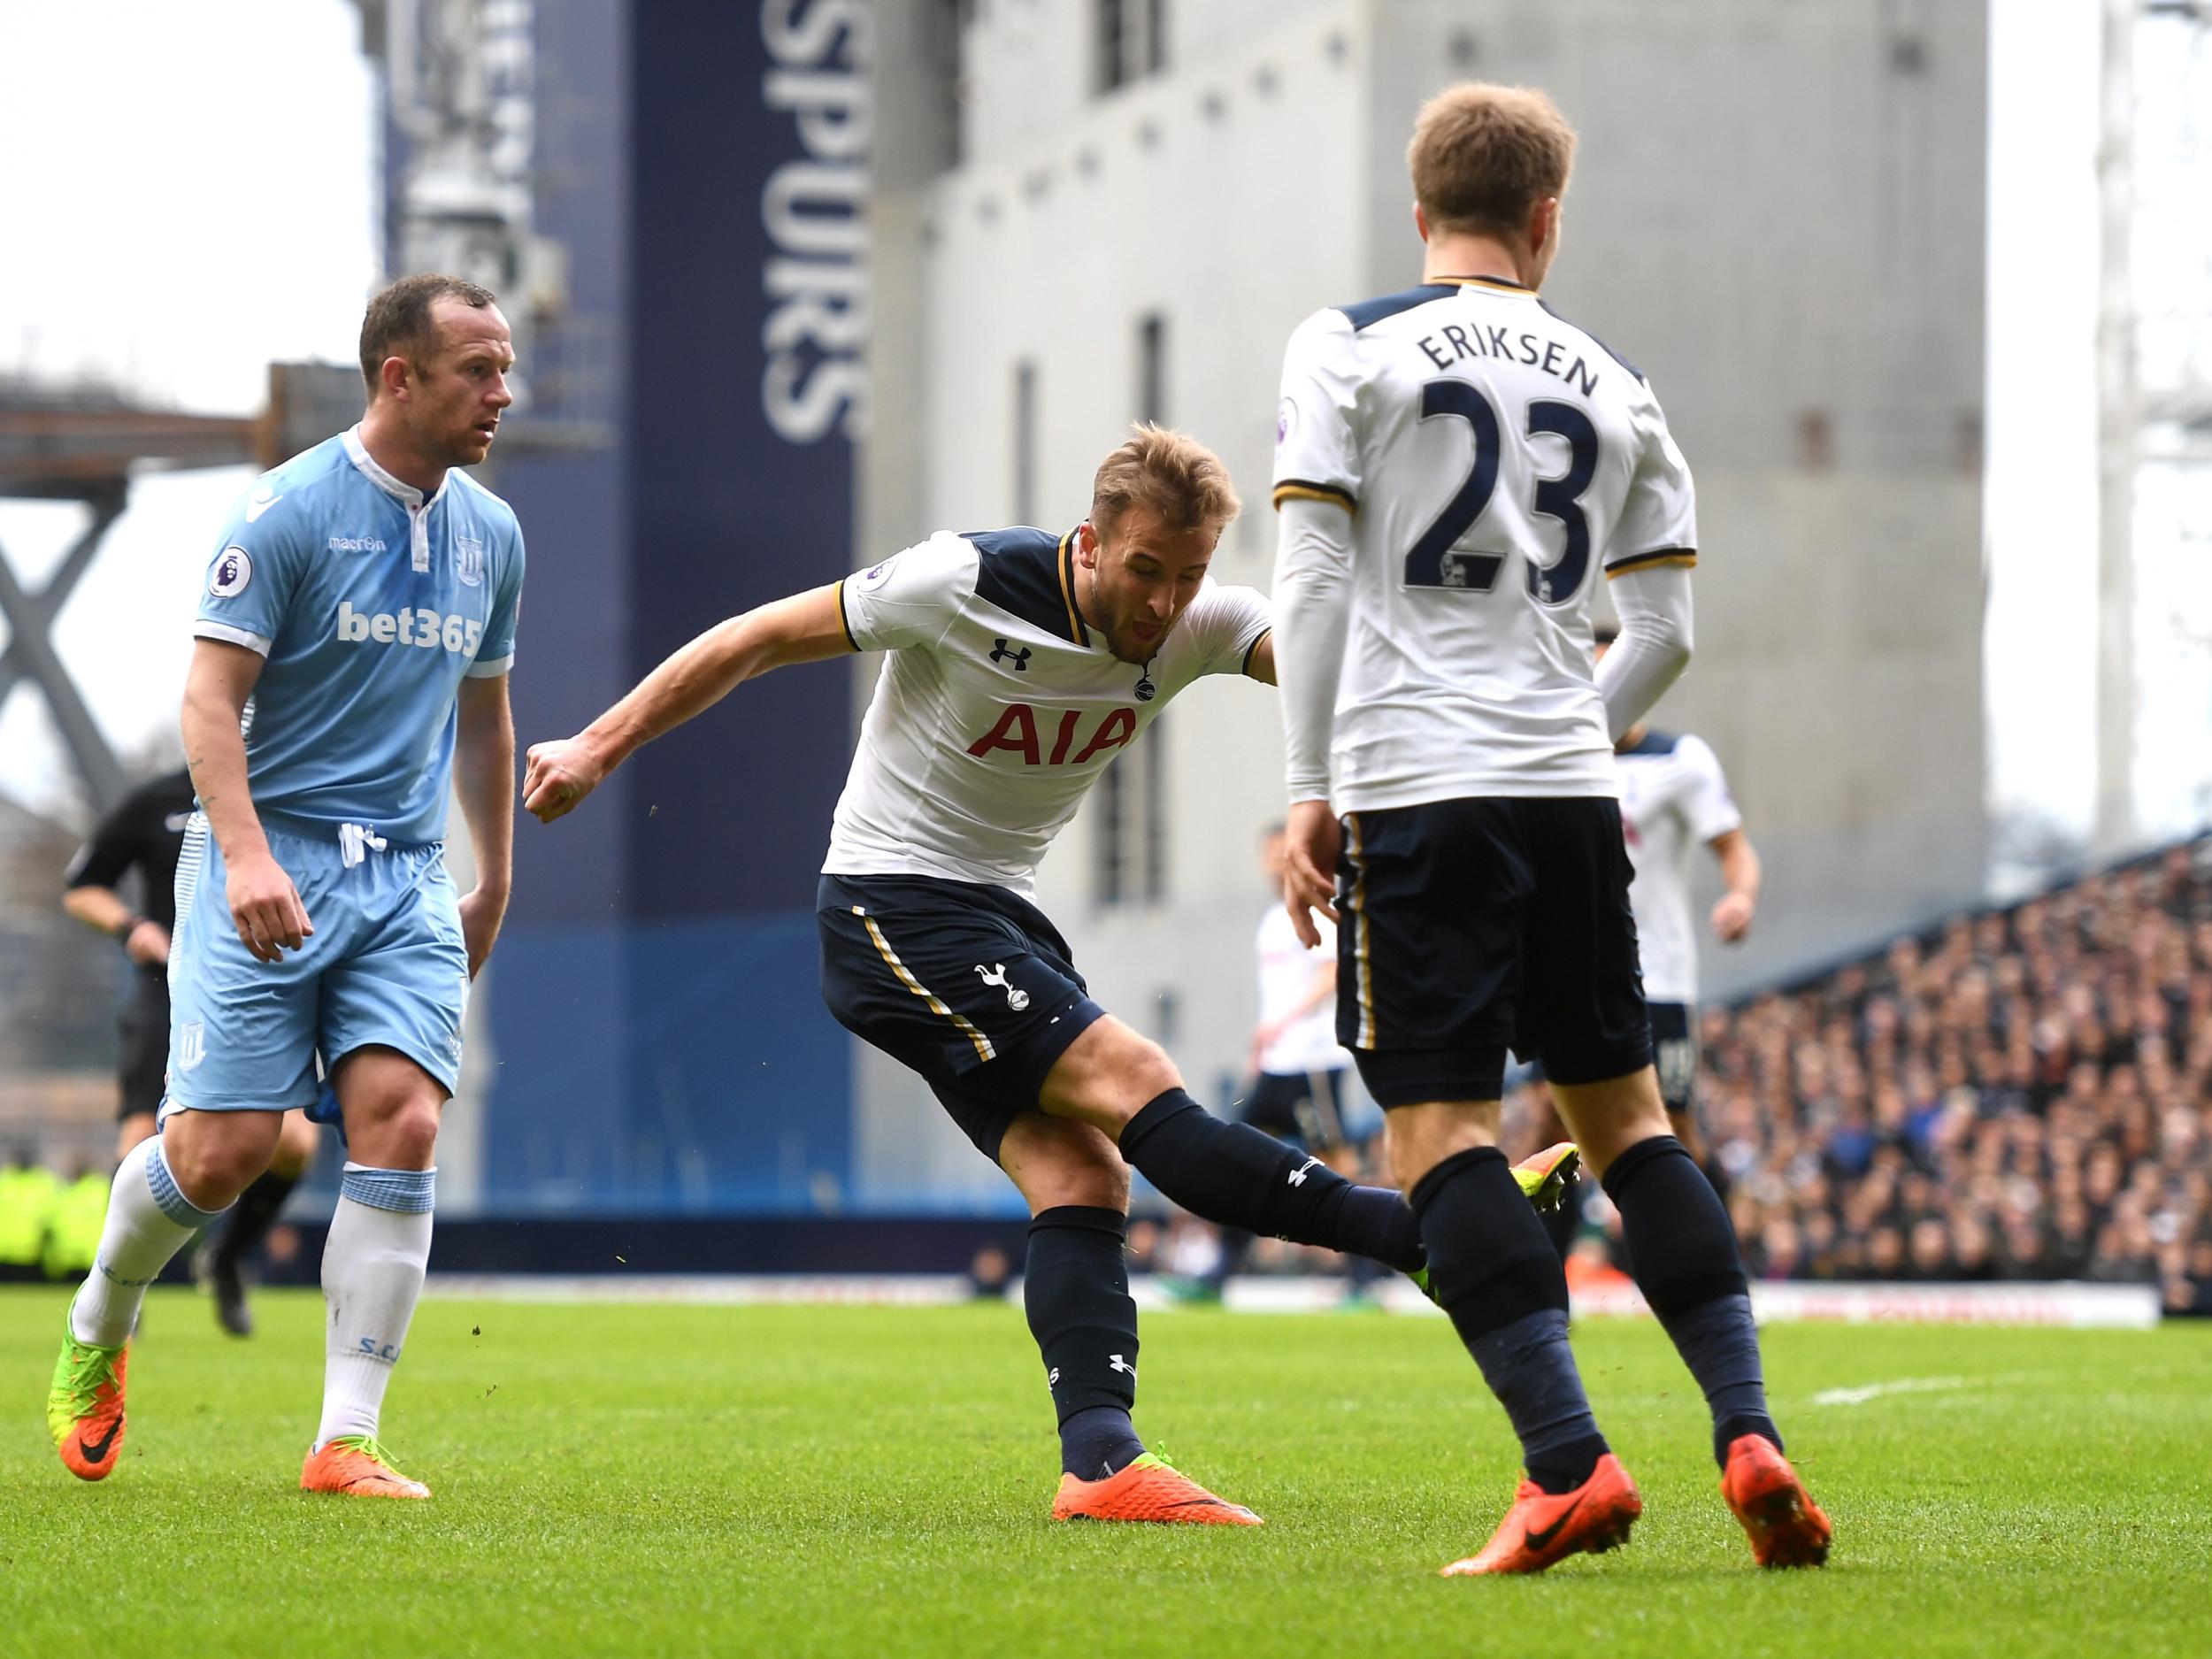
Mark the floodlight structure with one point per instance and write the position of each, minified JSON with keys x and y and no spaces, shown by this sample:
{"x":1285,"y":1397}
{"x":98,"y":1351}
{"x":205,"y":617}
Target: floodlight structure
{"x":2153,"y":355}
{"x":461,"y":100}
{"x":84,"y":443}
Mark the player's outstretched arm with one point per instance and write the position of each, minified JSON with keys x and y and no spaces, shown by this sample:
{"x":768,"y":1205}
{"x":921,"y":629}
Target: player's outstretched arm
{"x":1261,"y":667}
{"x":805,"y":628}
{"x":264,"y":906}
{"x":484,"y":778}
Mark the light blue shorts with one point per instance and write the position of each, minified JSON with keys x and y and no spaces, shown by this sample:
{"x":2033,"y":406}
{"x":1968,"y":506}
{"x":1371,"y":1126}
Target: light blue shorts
{"x":386,"y":964}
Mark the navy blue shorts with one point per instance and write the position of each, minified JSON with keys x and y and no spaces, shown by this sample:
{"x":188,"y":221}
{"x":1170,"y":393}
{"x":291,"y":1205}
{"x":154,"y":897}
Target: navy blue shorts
{"x":1471,"y":926}
{"x":970,"y":985}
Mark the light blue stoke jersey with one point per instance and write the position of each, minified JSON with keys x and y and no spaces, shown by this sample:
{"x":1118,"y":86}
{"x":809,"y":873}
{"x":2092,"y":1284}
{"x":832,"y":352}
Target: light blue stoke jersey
{"x":370,"y":604}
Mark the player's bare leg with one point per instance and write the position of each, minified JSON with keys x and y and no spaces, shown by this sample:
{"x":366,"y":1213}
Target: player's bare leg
{"x":166,"y":1189}
{"x":373,"y":1265}
{"x":1124,"y":1086}
{"x":1075,"y":1289}
{"x":1682,"y":1250}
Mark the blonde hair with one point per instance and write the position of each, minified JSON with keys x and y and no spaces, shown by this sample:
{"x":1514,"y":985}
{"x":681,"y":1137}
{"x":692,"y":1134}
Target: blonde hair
{"x":1484,"y":156}
{"x":1170,"y":472}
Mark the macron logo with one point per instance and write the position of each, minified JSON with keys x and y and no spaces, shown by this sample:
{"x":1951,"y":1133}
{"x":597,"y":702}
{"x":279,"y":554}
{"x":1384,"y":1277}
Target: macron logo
{"x":410,"y":624}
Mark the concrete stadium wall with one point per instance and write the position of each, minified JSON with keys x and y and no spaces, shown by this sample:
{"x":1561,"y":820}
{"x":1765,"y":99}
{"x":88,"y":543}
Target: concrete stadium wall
{"x":1778,"y":215}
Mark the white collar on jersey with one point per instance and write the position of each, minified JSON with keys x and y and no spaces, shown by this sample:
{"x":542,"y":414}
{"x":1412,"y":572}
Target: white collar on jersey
{"x":406,"y":495}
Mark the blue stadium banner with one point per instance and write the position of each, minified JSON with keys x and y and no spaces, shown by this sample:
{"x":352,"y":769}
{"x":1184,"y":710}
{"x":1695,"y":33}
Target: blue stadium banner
{"x":657,"y":1026}
{"x":748,"y":324}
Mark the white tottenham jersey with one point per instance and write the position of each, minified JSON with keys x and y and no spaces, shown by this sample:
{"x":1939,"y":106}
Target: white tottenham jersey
{"x":1494,"y":456}
{"x":1673,"y":801}
{"x":1287,"y":972}
{"x":998,"y":707}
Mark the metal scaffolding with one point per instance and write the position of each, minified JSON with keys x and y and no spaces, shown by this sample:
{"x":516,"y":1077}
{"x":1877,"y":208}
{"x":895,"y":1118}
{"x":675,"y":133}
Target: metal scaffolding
{"x":86,"y":445}
{"x":2154,"y":361}
{"x":460,"y":81}
{"x":79,"y":445}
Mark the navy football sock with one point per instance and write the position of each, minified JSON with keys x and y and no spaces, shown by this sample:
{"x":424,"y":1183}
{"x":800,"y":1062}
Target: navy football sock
{"x":1682,"y":1249}
{"x":1234,"y":1175}
{"x":1497,"y":1276}
{"x":1098,"y":1442}
{"x":1076,"y":1292}
{"x":1529,"y":1367}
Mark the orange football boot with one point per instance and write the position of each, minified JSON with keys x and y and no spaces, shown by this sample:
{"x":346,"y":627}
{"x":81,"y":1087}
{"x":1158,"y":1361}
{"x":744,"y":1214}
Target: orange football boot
{"x":84,"y":1406}
{"x":1542,"y":1529}
{"x":1148,"y":1490}
{"x":354,"y":1466}
{"x":1784,"y":1525}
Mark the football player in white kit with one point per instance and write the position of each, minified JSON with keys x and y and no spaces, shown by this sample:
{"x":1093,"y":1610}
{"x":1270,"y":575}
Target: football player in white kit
{"x":1295,"y":1091}
{"x":1674,"y":798}
{"x":1019,"y":663}
{"x":1455,"y":464}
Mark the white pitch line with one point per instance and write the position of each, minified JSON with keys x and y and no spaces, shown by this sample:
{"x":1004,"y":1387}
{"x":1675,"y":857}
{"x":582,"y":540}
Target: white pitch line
{"x":1875,"y":1391}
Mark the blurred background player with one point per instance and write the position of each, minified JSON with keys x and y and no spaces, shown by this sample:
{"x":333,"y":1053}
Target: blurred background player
{"x":363,"y":595}
{"x":1673,"y":799}
{"x":145,"y":834}
{"x":1454,"y":463}
{"x":1299,"y":1071}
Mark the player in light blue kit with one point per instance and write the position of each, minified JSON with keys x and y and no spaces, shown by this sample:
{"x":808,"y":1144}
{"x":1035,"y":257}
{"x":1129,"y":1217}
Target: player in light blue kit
{"x":364,"y":597}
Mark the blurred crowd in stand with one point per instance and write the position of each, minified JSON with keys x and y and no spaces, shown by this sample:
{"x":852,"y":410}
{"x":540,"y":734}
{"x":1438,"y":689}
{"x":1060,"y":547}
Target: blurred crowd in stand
{"x":2025,"y":1095}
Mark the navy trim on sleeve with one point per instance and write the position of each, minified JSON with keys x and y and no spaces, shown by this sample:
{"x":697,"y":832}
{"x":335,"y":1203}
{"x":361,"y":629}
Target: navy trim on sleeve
{"x":1309,"y":490}
{"x":1685,"y":556}
{"x":844,"y":621}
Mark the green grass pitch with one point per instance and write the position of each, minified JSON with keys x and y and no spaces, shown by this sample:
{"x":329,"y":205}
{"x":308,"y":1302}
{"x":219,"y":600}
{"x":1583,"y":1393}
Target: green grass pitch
{"x":633,"y":1480}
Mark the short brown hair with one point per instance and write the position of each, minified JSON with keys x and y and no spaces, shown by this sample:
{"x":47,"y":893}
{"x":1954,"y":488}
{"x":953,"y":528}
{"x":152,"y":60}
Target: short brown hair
{"x":1171,"y":472}
{"x":1484,"y":156}
{"x":398,"y":324}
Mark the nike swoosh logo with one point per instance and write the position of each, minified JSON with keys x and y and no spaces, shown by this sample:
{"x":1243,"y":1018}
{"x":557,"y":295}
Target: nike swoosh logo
{"x":254,"y":509}
{"x":1543,"y":1540}
{"x":96,"y":1451}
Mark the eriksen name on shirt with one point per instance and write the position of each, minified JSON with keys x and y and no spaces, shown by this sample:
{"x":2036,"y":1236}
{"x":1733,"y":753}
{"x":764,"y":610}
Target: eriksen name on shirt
{"x":1455,"y":341}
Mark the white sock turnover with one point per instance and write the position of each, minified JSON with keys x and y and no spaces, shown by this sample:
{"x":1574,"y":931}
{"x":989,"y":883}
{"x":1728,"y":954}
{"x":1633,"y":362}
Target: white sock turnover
{"x":148,"y":1221}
